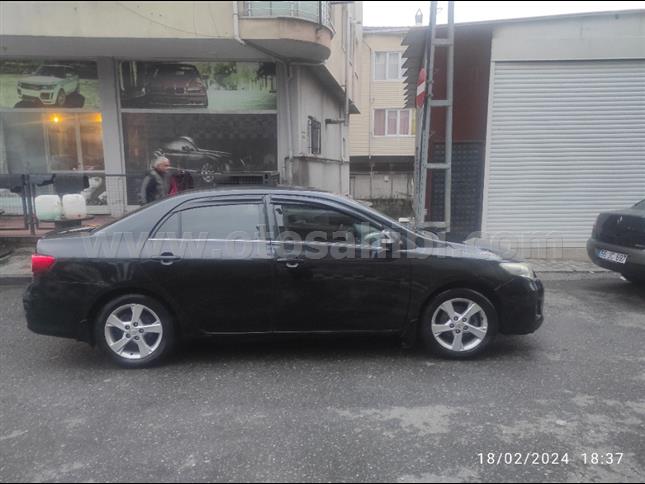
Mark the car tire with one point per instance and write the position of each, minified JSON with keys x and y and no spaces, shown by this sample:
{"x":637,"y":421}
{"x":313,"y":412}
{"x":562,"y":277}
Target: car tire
{"x":135,"y":331}
{"x":634,"y":279}
{"x":61,"y":98}
{"x":448,"y":337}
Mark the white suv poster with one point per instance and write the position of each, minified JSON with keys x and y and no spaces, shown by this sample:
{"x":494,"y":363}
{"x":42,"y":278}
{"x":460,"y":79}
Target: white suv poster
{"x":29,"y":83}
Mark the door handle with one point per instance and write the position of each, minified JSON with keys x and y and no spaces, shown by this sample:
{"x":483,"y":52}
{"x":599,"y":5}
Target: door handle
{"x":167,"y":258}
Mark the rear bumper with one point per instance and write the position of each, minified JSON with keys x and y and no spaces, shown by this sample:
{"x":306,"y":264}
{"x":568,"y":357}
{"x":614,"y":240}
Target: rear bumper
{"x":522,"y":306}
{"x":54,"y":310}
{"x":635,"y":264}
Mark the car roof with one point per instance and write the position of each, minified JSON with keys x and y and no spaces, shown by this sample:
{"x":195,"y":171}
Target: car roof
{"x":254,"y":189}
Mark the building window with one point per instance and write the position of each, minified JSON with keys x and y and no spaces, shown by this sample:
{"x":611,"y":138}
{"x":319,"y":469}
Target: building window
{"x":393,"y":122}
{"x":387,"y":66}
{"x":314,"y":136}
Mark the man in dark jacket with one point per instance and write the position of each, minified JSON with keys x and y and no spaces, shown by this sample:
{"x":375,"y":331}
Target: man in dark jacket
{"x":155,"y":185}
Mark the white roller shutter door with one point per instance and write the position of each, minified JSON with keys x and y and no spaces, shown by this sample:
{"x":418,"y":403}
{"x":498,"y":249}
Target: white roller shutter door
{"x":566,"y":141}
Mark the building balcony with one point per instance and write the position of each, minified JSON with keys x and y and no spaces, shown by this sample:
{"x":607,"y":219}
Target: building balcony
{"x":297,"y":30}
{"x":317,"y":12}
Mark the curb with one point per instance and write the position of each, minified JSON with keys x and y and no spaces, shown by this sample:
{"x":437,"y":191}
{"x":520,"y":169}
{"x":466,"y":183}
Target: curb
{"x":15,"y":280}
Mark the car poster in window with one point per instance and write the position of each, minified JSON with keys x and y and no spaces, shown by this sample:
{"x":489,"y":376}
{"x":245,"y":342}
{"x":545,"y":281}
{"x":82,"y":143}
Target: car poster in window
{"x":212,"y":86}
{"x":200,"y":146}
{"x":50,"y":83}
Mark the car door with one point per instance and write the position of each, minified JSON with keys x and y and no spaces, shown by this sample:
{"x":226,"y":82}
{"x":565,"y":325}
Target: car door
{"x":331,"y":272}
{"x":214,"y":258}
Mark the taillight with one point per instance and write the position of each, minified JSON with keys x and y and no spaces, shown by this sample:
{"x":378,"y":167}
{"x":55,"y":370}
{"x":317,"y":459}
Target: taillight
{"x":195,"y":84}
{"x":41,"y":263}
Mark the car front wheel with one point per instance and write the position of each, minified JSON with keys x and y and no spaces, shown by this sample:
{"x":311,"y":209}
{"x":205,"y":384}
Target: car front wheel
{"x":459,"y":323}
{"x":135,"y":331}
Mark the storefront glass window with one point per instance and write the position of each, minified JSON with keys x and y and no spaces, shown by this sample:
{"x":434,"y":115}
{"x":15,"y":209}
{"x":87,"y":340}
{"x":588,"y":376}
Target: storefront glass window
{"x":210,"y":119}
{"x":200,"y":145}
{"x":208,"y":86}
{"x":51,"y":126}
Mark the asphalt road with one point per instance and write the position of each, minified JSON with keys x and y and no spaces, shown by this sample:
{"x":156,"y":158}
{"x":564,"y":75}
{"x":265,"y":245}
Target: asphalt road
{"x":339,"y":410}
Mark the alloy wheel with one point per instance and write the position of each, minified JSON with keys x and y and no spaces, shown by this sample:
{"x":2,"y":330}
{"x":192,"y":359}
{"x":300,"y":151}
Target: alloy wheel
{"x":133,"y":331}
{"x":459,"y":324}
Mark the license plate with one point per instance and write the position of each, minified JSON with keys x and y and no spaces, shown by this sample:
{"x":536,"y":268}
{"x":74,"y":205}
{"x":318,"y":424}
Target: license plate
{"x":612,"y":256}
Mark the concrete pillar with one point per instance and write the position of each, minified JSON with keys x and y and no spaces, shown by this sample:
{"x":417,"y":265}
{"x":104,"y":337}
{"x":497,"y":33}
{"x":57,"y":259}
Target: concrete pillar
{"x":112,"y":136}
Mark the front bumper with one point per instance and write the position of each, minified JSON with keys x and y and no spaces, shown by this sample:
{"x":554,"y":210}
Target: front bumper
{"x":45,"y":97}
{"x":635,"y":264}
{"x":521,"y":303}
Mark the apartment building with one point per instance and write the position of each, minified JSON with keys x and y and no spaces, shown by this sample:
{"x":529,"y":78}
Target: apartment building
{"x":382,"y":136}
{"x":98,"y":88}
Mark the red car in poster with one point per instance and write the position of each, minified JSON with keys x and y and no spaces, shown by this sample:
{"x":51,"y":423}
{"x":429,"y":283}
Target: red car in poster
{"x":176,"y":85}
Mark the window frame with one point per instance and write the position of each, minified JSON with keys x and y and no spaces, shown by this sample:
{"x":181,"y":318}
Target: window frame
{"x":388,"y":53}
{"x":311,"y":122}
{"x":323,"y":204}
{"x":214,"y":202}
{"x":410,"y":134}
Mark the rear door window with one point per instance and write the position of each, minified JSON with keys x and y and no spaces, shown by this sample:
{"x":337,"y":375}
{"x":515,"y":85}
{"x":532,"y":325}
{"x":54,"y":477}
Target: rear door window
{"x":243,"y":221}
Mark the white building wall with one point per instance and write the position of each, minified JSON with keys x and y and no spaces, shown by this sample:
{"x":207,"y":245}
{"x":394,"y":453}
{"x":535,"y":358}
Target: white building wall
{"x":585,"y":37}
{"x":328,"y":170}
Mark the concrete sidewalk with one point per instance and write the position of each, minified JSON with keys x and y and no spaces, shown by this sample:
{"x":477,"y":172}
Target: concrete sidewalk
{"x":16,"y":268}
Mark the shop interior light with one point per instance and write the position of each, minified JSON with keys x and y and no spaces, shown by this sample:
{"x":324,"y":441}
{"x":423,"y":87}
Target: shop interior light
{"x":55,"y":118}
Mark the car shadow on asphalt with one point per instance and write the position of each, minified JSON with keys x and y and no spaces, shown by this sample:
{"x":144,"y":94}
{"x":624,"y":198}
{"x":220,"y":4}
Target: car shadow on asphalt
{"x":330,"y":349}
{"x":376,"y":350}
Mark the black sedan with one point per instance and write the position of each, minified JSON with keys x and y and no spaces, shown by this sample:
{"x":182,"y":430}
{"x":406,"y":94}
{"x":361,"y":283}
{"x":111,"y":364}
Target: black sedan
{"x":618,"y":242}
{"x":267,"y":261}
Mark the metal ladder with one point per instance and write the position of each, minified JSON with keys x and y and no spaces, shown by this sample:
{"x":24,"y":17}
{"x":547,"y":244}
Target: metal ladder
{"x":422,"y":162}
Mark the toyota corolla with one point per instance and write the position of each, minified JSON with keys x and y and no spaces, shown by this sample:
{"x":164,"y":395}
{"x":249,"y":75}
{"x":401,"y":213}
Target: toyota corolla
{"x":271,"y":261}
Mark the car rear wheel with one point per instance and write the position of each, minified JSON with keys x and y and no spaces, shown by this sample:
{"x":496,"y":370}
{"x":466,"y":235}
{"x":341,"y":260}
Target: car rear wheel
{"x":459,"y":323}
{"x":135,"y":331}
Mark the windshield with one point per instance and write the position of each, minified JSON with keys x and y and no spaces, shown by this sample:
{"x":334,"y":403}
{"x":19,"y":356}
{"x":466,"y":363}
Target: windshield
{"x":51,"y":71}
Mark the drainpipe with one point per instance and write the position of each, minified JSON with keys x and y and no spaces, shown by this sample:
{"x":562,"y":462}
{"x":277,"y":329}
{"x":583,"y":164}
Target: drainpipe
{"x":369,"y":96}
{"x":348,"y":79}
{"x":236,"y":23}
{"x":288,"y":166}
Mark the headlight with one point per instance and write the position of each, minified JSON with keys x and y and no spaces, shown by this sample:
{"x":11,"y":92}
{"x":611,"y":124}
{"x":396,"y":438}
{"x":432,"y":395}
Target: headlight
{"x":520,"y":269}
